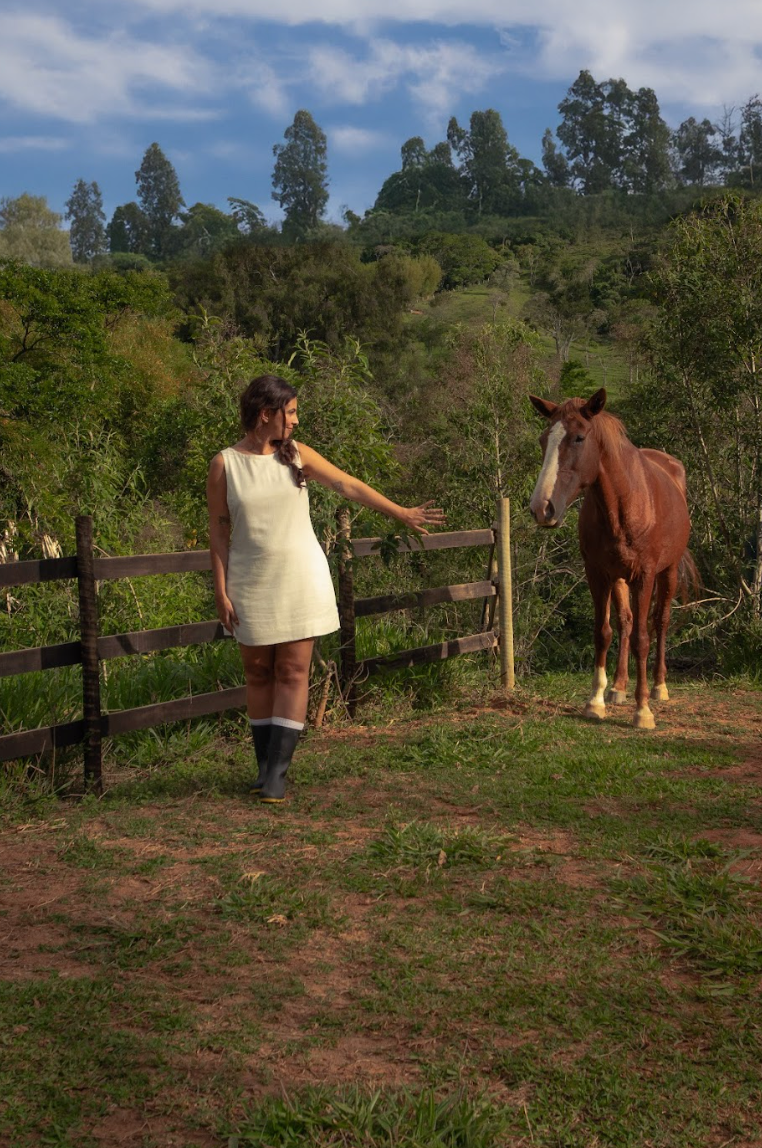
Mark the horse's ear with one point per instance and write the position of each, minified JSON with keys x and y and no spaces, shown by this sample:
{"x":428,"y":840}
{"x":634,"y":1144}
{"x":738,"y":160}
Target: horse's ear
{"x":594,"y":404}
{"x":543,"y":406}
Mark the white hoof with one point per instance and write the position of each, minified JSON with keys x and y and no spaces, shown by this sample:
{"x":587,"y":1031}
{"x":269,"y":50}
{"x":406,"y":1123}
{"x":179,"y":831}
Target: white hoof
{"x":660,"y":693}
{"x":616,"y":697}
{"x":644,"y":719}
{"x":595,"y":712}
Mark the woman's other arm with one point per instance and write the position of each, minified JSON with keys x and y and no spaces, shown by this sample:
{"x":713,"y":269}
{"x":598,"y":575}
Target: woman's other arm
{"x":219,"y":539}
{"x":321,"y":470}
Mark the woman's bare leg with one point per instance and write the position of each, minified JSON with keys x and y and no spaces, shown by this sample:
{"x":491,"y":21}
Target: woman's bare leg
{"x":291,"y":672}
{"x":259,"y":671}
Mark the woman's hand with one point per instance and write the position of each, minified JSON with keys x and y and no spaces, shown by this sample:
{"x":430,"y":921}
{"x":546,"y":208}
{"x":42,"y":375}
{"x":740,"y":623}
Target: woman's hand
{"x":419,"y":517}
{"x":226,"y":613}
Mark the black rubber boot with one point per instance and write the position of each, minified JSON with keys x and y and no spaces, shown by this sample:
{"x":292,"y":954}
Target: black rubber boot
{"x":283,"y":742}
{"x":260,"y":735}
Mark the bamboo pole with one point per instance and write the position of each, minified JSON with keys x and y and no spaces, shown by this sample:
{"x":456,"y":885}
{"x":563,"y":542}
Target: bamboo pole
{"x":88,"y":629}
{"x":505,"y":596}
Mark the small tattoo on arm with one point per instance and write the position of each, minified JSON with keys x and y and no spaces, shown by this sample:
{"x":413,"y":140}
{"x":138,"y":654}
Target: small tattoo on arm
{"x":338,"y":486}
{"x":223,"y":520}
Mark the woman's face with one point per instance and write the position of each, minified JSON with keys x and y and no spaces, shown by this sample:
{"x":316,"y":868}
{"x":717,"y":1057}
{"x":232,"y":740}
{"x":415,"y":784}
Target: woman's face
{"x":290,"y":421}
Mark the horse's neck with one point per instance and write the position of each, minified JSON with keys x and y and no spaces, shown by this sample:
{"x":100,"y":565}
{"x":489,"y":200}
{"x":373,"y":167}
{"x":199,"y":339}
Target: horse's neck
{"x":620,"y":489}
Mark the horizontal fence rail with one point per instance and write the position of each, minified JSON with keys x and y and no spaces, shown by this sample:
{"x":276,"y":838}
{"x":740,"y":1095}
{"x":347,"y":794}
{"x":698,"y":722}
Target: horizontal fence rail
{"x":93,"y":648}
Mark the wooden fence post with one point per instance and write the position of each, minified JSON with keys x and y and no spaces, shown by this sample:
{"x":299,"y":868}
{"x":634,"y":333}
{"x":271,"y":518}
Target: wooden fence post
{"x":505,"y":599}
{"x":347,"y":611}
{"x":88,"y":628}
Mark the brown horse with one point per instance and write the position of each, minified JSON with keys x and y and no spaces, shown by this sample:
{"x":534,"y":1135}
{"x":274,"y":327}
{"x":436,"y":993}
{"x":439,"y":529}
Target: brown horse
{"x":633,"y":534}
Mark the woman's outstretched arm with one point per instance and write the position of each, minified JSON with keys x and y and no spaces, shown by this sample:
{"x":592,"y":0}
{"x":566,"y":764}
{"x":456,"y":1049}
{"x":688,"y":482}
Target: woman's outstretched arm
{"x":321,"y":470}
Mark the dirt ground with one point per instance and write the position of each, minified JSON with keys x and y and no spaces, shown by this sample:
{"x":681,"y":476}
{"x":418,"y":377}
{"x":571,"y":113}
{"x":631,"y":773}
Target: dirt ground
{"x":36,"y":889}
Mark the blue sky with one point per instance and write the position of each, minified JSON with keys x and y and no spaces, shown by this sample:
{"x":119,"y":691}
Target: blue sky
{"x":87,"y":86}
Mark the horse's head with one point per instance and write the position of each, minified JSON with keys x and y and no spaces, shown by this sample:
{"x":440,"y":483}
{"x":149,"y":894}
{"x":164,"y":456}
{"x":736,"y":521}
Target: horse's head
{"x":571,"y":455}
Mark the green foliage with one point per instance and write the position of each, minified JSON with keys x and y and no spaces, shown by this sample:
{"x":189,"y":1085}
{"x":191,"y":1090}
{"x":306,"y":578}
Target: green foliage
{"x":274,"y":293}
{"x":320,"y":1118}
{"x":160,"y":199}
{"x":30,"y":233}
{"x":300,"y":179}
{"x":464,"y":259}
{"x":84,"y":208}
{"x":703,"y":395}
{"x":575,"y":380}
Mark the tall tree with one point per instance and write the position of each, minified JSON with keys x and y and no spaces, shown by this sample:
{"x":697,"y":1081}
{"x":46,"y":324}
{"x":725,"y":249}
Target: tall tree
{"x":31,"y":232}
{"x":129,"y":230}
{"x":84,"y":209}
{"x":554,"y":161}
{"x":697,"y":156}
{"x":489,"y":162}
{"x":750,"y":141}
{"x":160,"y":197}
{"x":646,"y":166}
{"x":706,"y":400}
{"x":586,"y":131}
{"x":300,"y":175}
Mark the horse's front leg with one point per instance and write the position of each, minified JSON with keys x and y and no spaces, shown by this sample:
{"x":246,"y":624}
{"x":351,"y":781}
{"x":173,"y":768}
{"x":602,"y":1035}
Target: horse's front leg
{"x":617,"y":695}
{"x":666,"y":584}
{"x":641,"y":592}
{"x":601,"y":593}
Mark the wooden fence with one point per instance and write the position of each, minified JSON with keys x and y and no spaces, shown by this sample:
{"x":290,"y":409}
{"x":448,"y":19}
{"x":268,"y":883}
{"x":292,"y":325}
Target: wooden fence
{"x":91,"y":649}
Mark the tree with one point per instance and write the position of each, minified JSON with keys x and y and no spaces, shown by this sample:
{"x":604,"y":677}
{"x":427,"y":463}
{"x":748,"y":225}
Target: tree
{"x":586,"y":132}
{"x":426,"y":181}
{"x":300,"y":175}
{"x":489,"y":162}
{"x":554,"y":161}
{"x":31,"y":233}
{"x":706,"y":348}
{"x":249,"y":219}
{"x":414,"y":153}
{"x":204,"y":229}
{"x":646,"y":166}
{"x":159,"y":196}
{"x":84,"y":208}
{"x":750,"y":140}
{"x":129,"y":230}
{"x":697,"y":156}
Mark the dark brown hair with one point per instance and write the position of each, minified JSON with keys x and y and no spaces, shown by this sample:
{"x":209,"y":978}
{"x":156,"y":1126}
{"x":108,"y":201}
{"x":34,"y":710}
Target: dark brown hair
{"x":272,"y":393}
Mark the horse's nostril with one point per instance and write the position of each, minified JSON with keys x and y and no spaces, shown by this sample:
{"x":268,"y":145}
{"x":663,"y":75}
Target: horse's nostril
{"x":550,"y":511}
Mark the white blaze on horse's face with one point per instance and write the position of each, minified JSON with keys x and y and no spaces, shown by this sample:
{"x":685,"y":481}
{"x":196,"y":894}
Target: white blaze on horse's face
{"x":546,"y":504}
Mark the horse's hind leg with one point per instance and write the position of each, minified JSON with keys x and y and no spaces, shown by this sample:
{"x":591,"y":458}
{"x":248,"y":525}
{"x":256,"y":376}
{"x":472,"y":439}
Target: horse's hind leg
{"x":666,"y":583}
{"x":617,"y":695}
{"x":601,"y":592}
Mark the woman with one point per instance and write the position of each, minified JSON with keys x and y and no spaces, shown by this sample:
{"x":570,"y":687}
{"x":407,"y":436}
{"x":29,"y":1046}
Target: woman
{"x":272,"y":584}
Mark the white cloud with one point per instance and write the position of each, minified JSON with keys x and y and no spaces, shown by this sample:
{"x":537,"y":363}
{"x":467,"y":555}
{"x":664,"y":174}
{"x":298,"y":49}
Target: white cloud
{"x":694,"y":51}
{"x":355,"y":140}
{"x":9,"y":144}
{"x":436,"y":75}
{"x":49,"y":69}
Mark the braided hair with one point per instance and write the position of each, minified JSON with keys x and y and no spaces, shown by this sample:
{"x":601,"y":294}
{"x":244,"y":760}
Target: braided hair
{"x":272,"y":393}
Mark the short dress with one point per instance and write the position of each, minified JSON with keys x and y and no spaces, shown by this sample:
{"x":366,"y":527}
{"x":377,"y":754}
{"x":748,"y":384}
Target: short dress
{"x":277,"y":576}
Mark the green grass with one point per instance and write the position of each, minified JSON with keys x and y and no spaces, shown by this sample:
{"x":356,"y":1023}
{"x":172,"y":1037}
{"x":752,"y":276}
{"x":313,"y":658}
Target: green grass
{"x":479,"y":926}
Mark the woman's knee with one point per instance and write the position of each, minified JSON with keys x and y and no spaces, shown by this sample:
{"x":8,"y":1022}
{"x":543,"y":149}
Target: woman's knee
{"x":291,"y":672}
{"x":258,"y":674}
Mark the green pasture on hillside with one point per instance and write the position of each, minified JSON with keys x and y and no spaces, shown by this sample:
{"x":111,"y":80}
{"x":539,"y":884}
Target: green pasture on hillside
{"x":492,"y":925}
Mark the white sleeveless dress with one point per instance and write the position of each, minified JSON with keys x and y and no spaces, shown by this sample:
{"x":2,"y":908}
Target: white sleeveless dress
{"x":277,"y":577}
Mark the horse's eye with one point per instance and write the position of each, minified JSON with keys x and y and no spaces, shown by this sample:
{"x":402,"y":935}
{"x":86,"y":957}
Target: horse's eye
{"x":580,"y":438}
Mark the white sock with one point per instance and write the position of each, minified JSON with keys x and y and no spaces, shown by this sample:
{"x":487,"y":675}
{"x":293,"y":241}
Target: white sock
{"x":260,"y":721}
{"x":288,"y":723}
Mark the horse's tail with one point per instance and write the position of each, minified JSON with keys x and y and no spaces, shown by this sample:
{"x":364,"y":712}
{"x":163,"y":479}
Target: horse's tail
{"x":688,"y":578}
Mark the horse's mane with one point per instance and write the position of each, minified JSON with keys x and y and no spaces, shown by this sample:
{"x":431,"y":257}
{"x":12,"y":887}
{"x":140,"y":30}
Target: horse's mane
{"x":608,"y":431}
